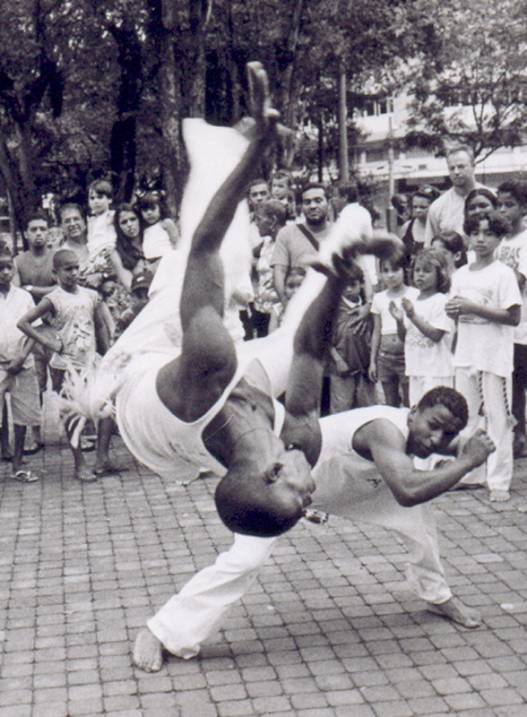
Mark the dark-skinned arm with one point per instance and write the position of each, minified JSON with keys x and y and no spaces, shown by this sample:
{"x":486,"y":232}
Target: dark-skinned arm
{"x":102,"y":332}
{"x":279,"y":274}
{"x":409,"y":486}
{"x":45,"y":308}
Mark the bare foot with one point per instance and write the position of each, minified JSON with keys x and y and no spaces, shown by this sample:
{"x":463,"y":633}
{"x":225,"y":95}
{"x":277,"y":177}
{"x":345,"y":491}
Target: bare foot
{"x":148,"y":651}
{"x":85,"y":475}
{"x":499,"y":496}
{"x":106,"y":467}
{"x":453,"y":609}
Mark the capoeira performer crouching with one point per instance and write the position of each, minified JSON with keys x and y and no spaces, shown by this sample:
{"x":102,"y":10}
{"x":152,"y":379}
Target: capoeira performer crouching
{"x":365,"y":472}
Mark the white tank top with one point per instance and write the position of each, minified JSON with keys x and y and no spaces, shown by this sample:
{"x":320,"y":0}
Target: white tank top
{"x":167,"y":445}
{"x":343,"y":477}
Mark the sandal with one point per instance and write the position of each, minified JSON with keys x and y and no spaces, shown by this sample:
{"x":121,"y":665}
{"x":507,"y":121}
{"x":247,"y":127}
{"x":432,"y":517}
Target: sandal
{"x":108,"y":469}
{"x":25,"y":476}
{"x":35,"y":448}
{"x":86,"y":476}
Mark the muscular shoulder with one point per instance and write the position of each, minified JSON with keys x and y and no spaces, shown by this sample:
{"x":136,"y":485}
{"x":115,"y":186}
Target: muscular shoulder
{"x":380,"y":434}
{"x":21,"y":258}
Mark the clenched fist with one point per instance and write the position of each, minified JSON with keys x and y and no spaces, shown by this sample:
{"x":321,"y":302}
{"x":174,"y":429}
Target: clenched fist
{"x":478,"y":448}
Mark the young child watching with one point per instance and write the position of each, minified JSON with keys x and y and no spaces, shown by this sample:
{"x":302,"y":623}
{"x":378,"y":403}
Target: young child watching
{"x":425,"y":328}
{"x":486,"y":304}
{"x":101,"y":230}
{"x":349,"y":353}
{"x":387,"y":349}
{"x":17,"y":366}
{"x":76,"y":315}
{"x":139,"y":299}
{"x":160,"y":232}
{"x":451,"y":244}
{"x":512,"y":204}
{"x":293,"y":282}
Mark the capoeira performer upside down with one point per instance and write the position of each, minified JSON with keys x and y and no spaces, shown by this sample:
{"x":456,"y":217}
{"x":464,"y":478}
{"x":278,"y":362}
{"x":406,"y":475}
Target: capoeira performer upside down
{"x":185,"y":397}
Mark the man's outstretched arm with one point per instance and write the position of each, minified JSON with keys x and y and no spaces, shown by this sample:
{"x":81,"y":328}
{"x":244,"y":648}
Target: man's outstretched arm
{"x":410,"y":486}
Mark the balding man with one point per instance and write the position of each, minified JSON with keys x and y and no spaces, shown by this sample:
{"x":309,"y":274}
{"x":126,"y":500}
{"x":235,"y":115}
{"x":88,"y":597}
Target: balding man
{"x":447,"y":213}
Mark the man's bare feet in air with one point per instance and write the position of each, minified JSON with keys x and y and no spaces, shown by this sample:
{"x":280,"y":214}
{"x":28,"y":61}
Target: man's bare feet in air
{"x":453,"y":609}
{"x":148,"y":651}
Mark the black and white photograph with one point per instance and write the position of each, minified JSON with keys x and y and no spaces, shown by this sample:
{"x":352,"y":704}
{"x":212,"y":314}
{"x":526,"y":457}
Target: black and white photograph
{"x":263,"y":358}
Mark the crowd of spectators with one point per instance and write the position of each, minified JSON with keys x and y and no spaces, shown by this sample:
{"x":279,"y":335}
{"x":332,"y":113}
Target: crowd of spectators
{"x":447,"y":311}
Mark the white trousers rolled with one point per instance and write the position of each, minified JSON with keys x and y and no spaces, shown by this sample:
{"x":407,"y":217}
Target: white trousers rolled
{"x":193,"y":615}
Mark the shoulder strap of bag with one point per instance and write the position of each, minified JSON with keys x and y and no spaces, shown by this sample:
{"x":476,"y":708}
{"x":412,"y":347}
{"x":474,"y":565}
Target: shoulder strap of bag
{"x":311,"y":239}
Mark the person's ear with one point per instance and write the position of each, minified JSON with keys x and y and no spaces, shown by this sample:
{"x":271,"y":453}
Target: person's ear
{"x":271,"y":475}
{"x":411,"y":415}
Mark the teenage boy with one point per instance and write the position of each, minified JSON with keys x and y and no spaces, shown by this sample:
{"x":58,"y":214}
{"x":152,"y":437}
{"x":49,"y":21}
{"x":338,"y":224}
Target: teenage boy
{"x":34,"y":273}
{"x":17,"y":366}
{"x":486,"y":304}
{"x":512,"y":204}
{"x":75,"y":313}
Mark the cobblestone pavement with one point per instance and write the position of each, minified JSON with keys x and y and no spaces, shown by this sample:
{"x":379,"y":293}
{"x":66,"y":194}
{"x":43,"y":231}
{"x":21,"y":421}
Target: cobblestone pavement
{"x":330,"y":628}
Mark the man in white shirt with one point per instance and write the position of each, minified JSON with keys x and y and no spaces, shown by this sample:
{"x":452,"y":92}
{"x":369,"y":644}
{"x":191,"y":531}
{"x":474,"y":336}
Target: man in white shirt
{"x":447,"y":213}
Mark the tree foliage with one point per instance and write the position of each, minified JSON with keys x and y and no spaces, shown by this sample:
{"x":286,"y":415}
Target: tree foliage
{"x":90,"y":88}
{"x":469,"y":84}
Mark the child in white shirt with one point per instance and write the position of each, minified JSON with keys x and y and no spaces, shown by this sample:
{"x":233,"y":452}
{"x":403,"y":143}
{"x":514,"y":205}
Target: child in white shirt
{"x":101,"y":230}
{"x":387,"y":350}
{"x":17,"y":366}
{"x":160,"y":233}
{"x":486,"y":304}
{"x":425,"y":328}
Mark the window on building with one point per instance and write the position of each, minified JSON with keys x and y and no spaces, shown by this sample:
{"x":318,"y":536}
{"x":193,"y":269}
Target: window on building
{"x":373,"y":106}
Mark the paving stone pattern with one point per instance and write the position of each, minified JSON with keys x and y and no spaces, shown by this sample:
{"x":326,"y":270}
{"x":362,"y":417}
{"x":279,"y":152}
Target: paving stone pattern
{"x":329,"y":629}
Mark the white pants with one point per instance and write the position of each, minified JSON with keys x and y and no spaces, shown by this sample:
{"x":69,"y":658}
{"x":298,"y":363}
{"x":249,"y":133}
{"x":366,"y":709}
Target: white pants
{"x":419,"y":385}
{"x":191,"y":616}
{"x":497,"y":471}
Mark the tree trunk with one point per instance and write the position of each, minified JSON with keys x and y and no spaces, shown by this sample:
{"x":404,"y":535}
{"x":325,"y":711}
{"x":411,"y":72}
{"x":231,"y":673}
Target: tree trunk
{"x":169,"y":94}
{"x":344,"y":172}
{"x":123,"y":142}
{"x":320,"y":148}
{"x":19,"y":180}
{"x":198,"y":18}
{"x":288,"y":106}
{"x":123,"y":148}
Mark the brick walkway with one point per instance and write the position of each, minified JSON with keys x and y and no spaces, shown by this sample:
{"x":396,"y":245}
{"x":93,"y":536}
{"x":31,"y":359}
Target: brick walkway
{"x":329,"y":629}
